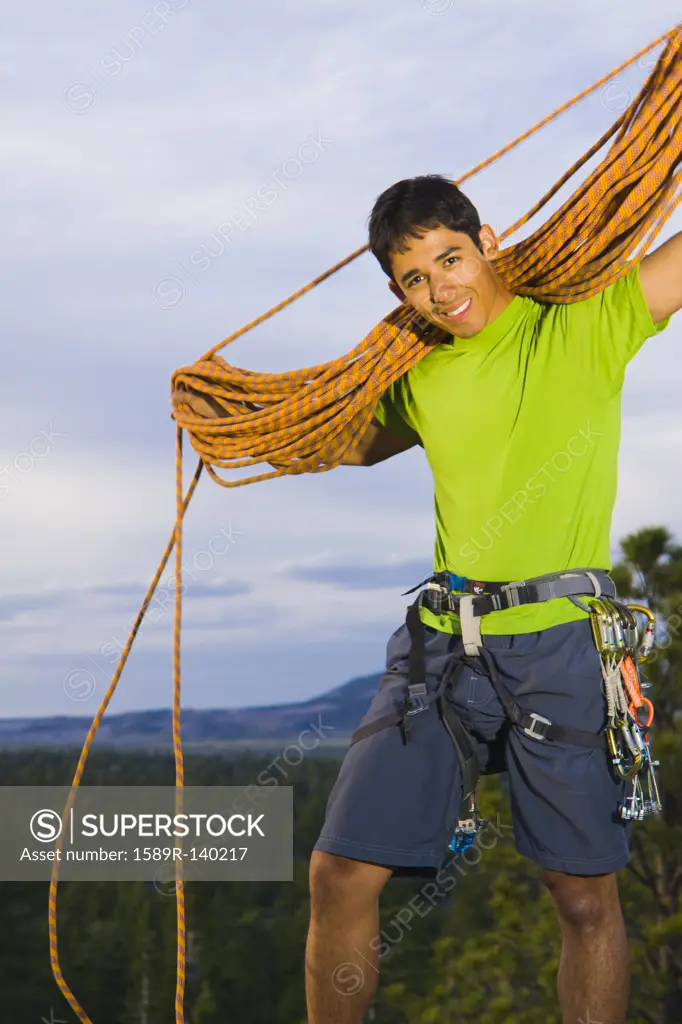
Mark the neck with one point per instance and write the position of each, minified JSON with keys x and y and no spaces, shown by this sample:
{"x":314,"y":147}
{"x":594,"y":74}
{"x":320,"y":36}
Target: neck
{"x":502,"y":300}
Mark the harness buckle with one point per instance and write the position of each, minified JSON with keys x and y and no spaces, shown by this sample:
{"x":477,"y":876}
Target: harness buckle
{"x":437,"y":599}
{"x":416,"y":697}
{"x":536,"y":731}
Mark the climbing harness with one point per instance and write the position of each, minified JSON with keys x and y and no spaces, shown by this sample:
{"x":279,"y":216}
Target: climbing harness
{"x":446,"y":592}
{"x":623,"y":647}
{"x":306,"y":421}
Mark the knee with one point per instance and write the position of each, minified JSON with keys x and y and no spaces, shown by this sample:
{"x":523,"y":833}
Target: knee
{"x":583,"y":904}
{"x":338,"y":882}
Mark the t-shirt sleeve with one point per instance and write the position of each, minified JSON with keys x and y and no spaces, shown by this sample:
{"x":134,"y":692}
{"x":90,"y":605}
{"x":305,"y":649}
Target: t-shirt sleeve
{"x":619,"y":323}
{"x":392,"y":410}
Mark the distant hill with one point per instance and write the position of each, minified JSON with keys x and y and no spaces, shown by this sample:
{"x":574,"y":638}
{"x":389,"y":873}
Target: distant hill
{"x":336,"y":713}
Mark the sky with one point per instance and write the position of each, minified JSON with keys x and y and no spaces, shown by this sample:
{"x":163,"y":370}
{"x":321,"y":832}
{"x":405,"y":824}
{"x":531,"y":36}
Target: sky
{"x":137,"y":139}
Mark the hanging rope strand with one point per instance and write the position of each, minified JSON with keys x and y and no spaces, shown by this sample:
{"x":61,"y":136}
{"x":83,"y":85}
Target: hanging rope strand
{"x":307,"y":420}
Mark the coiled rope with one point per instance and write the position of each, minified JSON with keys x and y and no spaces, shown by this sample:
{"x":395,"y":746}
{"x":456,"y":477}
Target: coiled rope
{"x":306,"y":421}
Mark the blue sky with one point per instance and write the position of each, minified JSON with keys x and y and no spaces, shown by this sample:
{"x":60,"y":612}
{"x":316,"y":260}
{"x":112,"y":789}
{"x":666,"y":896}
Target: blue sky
{"x":134,"y":133}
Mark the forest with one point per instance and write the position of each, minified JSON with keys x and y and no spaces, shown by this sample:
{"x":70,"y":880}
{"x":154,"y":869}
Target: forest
{"x":487,"y":952}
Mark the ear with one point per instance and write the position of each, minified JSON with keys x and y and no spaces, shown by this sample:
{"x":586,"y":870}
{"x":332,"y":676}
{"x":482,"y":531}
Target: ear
{"x":396,"y":291}
{"x":489,"y":242}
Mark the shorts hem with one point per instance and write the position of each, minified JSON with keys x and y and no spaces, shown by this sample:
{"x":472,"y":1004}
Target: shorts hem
{"x":576,"y":865}
{"x":383,"y":855}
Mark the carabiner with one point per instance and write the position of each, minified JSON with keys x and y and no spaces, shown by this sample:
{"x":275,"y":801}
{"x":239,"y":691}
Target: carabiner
{"x":637,"y":755}
{"x":646,"y":703}
{"x":601,"y":627}
{"x":617,"y":627}
{"x":646,"y":640}
{"x":636,"y":752}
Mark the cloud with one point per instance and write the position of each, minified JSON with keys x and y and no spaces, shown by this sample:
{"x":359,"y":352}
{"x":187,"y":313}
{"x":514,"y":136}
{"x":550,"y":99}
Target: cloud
{"x":14,"y":605}
{"x":364,"y":577}
{"x":101,"y":204}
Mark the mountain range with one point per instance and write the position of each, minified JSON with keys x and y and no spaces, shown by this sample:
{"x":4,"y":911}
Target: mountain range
{"x":331,"y":718}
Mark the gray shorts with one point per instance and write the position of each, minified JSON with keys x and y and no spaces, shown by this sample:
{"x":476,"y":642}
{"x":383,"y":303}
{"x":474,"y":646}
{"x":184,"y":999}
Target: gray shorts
{"x":397,"y":804}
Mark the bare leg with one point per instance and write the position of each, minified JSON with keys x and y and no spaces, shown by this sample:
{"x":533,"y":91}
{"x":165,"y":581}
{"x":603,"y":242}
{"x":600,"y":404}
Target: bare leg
{"x":342,"y":968}
{"x":594,"y":977}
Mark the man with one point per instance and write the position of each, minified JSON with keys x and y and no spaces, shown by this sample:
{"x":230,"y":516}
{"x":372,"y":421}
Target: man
{"x":518,"y":412}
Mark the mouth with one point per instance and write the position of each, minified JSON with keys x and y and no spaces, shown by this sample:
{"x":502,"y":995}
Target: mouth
{"x":455,"y":313}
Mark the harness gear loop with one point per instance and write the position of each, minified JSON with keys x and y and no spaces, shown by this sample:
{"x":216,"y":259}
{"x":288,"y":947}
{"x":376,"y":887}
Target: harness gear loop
{"x":595,"y":581}
{"x":646,"y":641}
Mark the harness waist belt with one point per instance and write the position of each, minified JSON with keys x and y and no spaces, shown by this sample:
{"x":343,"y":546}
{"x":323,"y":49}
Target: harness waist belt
{"x":438,"y":594}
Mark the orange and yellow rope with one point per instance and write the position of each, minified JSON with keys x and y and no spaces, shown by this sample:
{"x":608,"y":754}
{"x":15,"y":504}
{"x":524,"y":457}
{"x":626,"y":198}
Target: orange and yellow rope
{"x":307,"y":420}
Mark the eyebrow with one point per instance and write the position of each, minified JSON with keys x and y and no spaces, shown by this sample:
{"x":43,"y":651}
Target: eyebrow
{"x":453,"y":248}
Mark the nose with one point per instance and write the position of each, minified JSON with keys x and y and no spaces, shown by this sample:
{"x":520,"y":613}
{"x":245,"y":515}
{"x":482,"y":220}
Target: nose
{"x":442,"y":292}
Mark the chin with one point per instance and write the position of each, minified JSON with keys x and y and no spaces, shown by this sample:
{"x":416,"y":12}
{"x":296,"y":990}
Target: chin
{"x":465,"y":331}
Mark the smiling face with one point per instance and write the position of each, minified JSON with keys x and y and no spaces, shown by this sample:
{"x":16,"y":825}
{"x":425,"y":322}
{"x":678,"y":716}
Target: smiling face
{"x":449,"y":281}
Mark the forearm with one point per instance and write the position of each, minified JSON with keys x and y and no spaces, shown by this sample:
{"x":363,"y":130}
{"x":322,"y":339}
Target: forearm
{"x":660,"y":276}
{"x":377,"y":446}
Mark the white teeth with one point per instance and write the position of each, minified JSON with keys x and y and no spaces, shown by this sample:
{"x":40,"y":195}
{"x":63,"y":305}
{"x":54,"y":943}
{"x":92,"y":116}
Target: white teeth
{"x":455,"y":312}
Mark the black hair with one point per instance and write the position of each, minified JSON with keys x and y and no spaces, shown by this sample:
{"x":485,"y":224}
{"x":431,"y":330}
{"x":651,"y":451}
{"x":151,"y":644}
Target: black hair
{"x":414,"y":205}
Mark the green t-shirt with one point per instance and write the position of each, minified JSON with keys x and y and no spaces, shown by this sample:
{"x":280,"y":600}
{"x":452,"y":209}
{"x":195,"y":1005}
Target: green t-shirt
{"x":521,"y":428}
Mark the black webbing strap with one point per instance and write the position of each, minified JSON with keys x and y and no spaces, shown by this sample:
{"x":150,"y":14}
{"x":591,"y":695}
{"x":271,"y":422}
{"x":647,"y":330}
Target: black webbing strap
{"x":461,"y":583}
{"x":536,"y":726}
{"x":416,"y":697}
{"x":417,"y":700}
{"x":462,"y":741}
{"x":396,"y":717}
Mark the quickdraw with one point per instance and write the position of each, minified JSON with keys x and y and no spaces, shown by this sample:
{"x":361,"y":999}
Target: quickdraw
{"x":467,"y":829}
{"x":623,"y":648}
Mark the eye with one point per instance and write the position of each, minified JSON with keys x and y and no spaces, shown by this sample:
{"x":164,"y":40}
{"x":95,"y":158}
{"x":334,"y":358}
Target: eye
{"x":450,"y":259}
{"x":414,"y":280}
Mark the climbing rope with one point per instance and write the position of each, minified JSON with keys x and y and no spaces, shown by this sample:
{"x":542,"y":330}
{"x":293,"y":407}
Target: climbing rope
{"x":306,"y":421}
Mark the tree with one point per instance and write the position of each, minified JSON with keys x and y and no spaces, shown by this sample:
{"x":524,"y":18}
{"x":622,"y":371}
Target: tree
{"x":651,"y":569}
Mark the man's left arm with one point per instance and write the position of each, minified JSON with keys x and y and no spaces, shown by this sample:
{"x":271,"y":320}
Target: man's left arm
{"x":660,"y":275}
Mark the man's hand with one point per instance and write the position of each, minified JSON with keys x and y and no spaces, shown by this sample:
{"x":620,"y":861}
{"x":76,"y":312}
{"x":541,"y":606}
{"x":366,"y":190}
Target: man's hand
{"x":201,"y":405}
{"x":660,"y":275}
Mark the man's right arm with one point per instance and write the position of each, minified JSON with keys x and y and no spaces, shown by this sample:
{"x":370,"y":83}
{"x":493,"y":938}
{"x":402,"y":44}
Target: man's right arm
{"x":378,"y":444}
